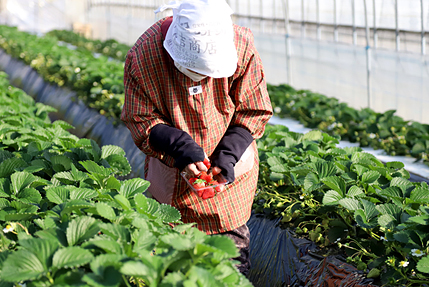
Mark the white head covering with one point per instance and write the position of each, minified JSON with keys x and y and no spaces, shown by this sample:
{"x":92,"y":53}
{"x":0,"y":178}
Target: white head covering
{"x":201,"y":37}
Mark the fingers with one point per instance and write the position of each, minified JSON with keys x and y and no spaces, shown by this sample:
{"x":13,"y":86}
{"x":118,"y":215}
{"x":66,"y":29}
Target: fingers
{"x":201,"y":166}
{"x":195,"y":168}
{"x":216,"y":170}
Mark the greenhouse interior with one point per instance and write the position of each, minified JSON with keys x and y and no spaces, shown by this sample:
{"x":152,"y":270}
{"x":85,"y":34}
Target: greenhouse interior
{"x":315,"y":145}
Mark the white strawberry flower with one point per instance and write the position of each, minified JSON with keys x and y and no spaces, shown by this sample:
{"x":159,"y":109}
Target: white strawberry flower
{"x":9,"y":228}
{"x":417,"y":252}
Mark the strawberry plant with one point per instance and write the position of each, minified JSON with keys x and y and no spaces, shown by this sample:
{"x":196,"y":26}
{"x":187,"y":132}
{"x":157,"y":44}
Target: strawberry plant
{"x":385,"y":131}
{"x":97,"y":81}
{"x":110,"y":48}
{"x":69,"y":221}
{"x":348,"y":202}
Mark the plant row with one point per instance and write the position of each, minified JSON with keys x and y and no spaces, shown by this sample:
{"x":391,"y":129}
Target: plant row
{"x":97,"y":81}
{"x":385,"y":131}
{"x":348,"y":202}
{"x":110,"y":48}
{"x":68,"y":220}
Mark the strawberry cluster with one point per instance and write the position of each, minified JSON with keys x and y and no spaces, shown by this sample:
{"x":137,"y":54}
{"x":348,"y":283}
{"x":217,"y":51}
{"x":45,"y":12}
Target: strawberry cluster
{"x":205,"y":185}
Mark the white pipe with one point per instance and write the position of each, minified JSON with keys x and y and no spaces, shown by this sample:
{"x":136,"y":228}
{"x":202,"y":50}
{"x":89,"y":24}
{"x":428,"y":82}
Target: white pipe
{"x":319,"y":33}
{"x":303,"y":19}
{"x":288,"y":46}
{"x":335,"y":22}
{"x":375,"y":25}
{"x":423,"y":28}
{"x":354,"y":23}
{"x":397,"y":26}
{"x":368,"y":56}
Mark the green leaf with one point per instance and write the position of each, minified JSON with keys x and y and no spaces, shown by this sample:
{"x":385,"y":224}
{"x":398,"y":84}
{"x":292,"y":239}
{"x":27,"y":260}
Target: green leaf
{"x":331,"y":197}
{"x":102,"y":263}
{"x":423,"y":265}
{"x":94,"y":168}
{"x":373,"y":273}
{"x":350,"y":203}
{"x":71,"y":257}
{"x":21,"y":180}
{"x":146,"y":241}
{"x":80,"y":229}
{"x":107,"y":245}
{"x":387,"y":221}
{"x":74,"y":205}
{"x":116,"y":231}
{"x":119,"y":163}
{"x":43,"y":249}
{"x":402,"y":183}
{"x":355,"y":191}
{"x":112,"y":183}
{"x":370,"y":177}
{"x":369,"y":208}
{"x":61,"y":163}
{"x":81,"y":193}
{"x":134,"y":186}
{"x":391,"y":209}
{"x":19,"y":216}
{"x":178,"y":241}
{"x":275,"y":176}
{"x":402,"y":236}
{"x":312,"y":182}
{"x":123,"y":201}
{"x":105,"y":211}
{"x":139,"y":269}
{"x":325,"y":169}
{"x":107,"y":150}
{"x":313,"y":135}
{"x":420,"y":195}
{"x":21,"y":265}
{"x":395,"y":165}
{"x":336,"y":183}
{"x":8,"y":166}
{"x":365,"y":217}
{"x":141,"y":202}
{"x":29,"y":196}
{"x":223,"y":243}
{"x":57,"y":194}
{"x":168,"y":213}
{"x":422,"y":219}
{"x":392,"y":192}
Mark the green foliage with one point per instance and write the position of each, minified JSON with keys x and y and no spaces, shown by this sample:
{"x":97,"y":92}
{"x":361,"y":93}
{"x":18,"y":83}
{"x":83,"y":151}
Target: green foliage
{"x":347,"y":199}
{"x":68,"y":221}
{"x":97,"y":80}
{"x":385,"y":131}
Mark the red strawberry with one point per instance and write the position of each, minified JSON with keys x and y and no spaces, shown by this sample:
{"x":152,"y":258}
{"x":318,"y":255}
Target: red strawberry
{"x":205,"y":176}
{"x":220,"y":188}
{"x":192,"y":180}
{"x":199,"y":183}
{"x":207,"y":163}
{"x":208,"y":193}
{"x":213,"y":182}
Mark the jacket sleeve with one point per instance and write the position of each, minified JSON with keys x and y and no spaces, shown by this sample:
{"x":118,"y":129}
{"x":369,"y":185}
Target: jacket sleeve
{"x":249,"y":89}
{"x":139,"y":113}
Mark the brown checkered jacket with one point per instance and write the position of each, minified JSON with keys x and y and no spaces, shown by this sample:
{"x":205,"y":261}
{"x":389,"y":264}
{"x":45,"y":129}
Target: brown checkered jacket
{"x":157,"y":93}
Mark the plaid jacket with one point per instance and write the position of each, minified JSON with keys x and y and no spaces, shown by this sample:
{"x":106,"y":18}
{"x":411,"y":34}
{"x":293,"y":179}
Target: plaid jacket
{"x":157,"y":93}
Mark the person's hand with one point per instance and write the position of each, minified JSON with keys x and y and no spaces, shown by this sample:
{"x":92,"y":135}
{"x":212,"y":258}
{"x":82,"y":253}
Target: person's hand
{"x":195,"y":169}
